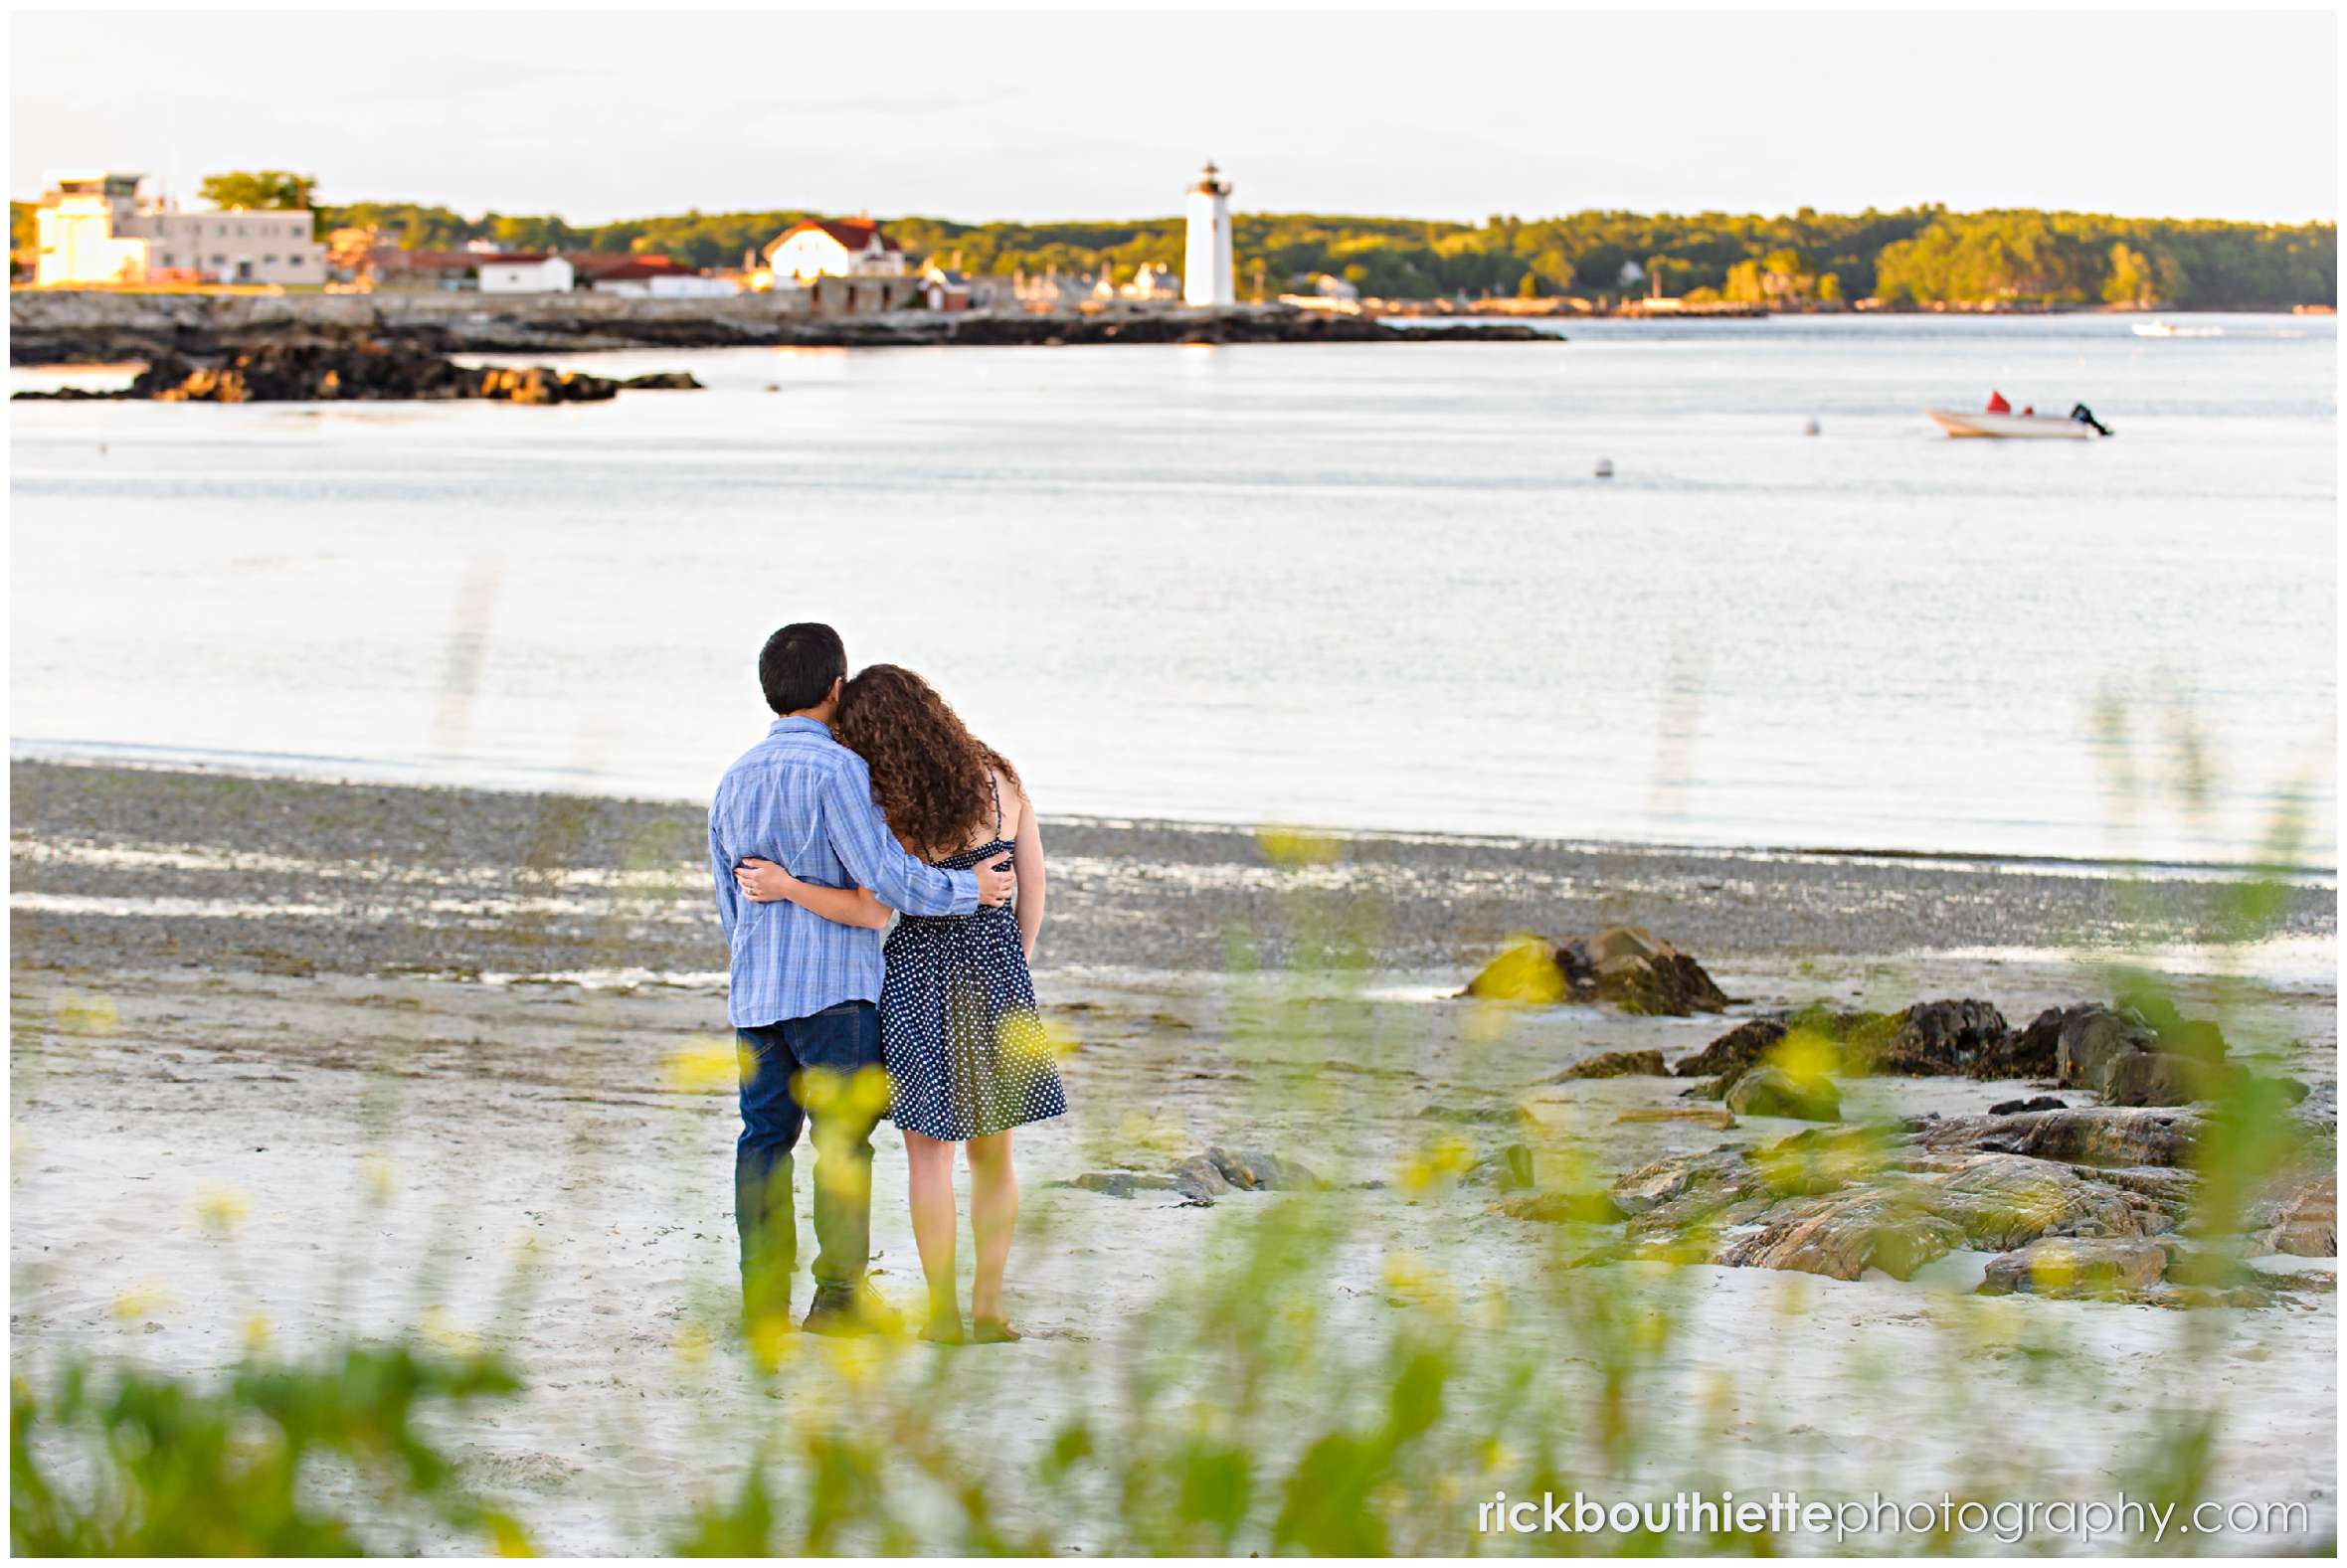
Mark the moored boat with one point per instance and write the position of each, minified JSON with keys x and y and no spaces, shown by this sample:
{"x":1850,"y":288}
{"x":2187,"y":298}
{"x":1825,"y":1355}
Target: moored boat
{"x":2012,"y":427}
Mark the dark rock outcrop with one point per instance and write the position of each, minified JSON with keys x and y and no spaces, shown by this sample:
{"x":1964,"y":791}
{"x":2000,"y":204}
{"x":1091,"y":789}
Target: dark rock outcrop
{"x":2144,"y":1053}
{"x":1734,"y":1051}
{"x":2027,"y":1052}
{"x":2007,"y":1108}
{"x":1615,"y":1064}
{"x":359,"y":372}
{"x":1622,"y":966}
{"x":1929,"y":1038}
{"x":2094,"y":1037}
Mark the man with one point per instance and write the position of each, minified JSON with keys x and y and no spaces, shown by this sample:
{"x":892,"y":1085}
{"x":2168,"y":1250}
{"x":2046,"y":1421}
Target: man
{"x":806,"y":992}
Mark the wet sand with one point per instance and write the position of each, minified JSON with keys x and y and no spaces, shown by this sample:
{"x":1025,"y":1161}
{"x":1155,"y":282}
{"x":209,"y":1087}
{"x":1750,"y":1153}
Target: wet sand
{"x":403,"y":1049}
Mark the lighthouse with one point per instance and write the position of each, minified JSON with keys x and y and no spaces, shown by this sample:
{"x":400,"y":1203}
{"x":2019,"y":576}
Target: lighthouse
{"x":1206,"y":277}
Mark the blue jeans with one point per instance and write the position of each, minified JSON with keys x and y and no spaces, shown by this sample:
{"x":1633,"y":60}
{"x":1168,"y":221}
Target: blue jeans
{"x":785,"y":1068}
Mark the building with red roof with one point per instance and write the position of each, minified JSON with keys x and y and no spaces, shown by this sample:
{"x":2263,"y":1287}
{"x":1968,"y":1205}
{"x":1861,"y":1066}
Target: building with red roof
{"x":834,"y":248}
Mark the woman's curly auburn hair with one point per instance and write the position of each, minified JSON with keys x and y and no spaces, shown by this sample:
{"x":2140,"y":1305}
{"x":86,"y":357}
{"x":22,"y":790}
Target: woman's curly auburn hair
{"x":929,"y":772}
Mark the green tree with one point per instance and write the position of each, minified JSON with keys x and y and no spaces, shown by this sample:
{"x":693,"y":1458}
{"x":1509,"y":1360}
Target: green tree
{"x":257,"y":189}
{"x":2130,"y":281}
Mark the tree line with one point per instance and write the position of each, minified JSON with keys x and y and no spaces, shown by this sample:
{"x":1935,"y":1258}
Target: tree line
{"x":1915,"y":257}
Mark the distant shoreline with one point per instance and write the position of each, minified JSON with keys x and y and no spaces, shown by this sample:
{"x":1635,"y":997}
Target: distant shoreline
{"x":81,"y":327}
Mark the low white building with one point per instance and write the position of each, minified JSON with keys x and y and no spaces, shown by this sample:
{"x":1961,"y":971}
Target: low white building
{"x":96,"y":229}
{"x":526,"y":275}
{"x":834,"y":248}
{"x":662,"y":280}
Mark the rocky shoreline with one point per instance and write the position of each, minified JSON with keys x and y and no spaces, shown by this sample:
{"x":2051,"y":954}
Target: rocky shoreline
{"x":359,"y":372}
{"x":2186,"y":1164}
{"x":81,"y":327}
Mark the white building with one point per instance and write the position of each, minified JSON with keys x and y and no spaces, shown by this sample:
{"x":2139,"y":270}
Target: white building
{"x":1206,"y":270}
{"x":526,"y":275}
{"x":650,"y":280}
{"x":95,"y":228}
{"x":834,"y":248}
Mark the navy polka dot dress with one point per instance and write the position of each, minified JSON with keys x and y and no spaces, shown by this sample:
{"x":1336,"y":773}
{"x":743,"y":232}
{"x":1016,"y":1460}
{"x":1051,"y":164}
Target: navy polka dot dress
{"x":965,"y":1051}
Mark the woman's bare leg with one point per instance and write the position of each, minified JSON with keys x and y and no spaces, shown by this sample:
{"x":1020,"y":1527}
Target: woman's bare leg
{"x":929,"y":1167}
{"x":993,"y":1213}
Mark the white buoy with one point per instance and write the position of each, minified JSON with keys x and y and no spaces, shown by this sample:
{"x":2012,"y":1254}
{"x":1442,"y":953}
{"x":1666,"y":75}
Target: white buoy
{"x":1811,"y":428}
{"x":1605,"y":467}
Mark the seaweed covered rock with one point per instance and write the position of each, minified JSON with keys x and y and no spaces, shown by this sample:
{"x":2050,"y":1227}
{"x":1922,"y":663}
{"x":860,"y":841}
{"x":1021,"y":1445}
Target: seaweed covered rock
{"x":1623,"y":965}
{"x":1734,"y":1051}
{"x":2029,"y":1051}
{"x":1563,"y":1208}
{"x":1767,"y":1090}
{"x":1928,"y":1039}
{"x":1615,"y":1064}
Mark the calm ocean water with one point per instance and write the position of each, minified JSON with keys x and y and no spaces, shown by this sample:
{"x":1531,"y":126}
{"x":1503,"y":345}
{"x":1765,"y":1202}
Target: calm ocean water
{"x":1354,"y":585}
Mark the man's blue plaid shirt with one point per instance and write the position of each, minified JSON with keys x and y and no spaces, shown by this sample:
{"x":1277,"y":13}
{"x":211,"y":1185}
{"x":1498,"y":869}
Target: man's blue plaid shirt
{"x":804,"y":801}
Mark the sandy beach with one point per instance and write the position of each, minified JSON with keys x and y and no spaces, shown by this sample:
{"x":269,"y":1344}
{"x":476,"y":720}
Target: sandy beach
{"x":295,"y":1062}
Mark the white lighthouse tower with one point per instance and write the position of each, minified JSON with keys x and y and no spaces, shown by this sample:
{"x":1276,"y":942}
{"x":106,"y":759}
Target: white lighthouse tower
{"x":1206,"y":277}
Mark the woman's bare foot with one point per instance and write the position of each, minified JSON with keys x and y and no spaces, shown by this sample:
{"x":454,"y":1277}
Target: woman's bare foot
{"x":994,"y":1331}
{"x":945,"y":1328}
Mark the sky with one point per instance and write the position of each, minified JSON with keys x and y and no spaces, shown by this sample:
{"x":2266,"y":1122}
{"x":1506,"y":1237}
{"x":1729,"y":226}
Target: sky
{"x":597,"y":115}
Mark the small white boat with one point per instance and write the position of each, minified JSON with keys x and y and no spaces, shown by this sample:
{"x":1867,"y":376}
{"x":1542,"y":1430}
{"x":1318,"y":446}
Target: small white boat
{"x":2012,"y":427}
{"x":2171,"y":329}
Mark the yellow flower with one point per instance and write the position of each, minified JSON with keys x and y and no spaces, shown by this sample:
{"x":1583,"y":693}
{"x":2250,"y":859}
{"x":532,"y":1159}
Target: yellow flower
{"x":142,"y":1299}
{"x":507,"y":1538}
{"x":445,"y":1332}
{"x":220,"y":1209}
{"x":1289,"y":846}
{"x":257,"y":1333}
{"x":92,"y":1014}
{"x":374,"y":1171}
{"x":706,"y":1063}
{"x":772,"y":1342}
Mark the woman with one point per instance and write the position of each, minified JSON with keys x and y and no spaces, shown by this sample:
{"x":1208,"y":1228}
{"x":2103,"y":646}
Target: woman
{"x":968,"y":1058}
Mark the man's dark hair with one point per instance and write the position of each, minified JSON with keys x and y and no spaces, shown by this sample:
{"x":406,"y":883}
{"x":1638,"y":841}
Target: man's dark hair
{"x":796,"y":667}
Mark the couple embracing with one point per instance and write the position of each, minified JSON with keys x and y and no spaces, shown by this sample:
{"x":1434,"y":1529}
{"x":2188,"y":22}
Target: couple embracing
{"x":868,"y":797}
